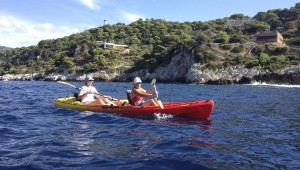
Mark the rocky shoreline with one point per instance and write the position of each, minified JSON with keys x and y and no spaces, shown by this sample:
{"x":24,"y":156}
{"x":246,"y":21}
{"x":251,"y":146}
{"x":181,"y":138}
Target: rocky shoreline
{"x":229,"y":75}
{"x":182,"y":69}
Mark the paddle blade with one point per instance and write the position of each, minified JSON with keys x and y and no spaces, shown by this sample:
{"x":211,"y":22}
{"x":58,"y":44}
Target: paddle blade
{"x":153,"y":81}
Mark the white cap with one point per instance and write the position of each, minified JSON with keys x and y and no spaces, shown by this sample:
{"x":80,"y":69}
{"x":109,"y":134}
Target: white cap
{"x":89,"y":78}
{"x":137,"y":80}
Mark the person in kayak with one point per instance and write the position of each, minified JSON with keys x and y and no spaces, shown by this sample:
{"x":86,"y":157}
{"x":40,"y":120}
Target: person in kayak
{"x":89,"y":95}
{"x":138,"y":94}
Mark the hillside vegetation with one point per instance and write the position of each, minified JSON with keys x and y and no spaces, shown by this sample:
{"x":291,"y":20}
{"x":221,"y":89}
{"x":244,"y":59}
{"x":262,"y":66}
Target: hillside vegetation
{"x":153,"y":43}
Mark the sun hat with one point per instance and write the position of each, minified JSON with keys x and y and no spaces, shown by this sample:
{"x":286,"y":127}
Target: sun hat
{"x":137,"y":80}
{"x":89,"y":78}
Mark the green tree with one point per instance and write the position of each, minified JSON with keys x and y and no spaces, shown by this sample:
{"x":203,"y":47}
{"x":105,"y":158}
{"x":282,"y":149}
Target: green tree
{"x":201,"y":39}
{"x":239,"y":16}
{"x":222,"y":37}
{"x":135,"y":40}
{"x":260,"y":16}
{"x":237,"y":39}
{"x":264,"y":58}
{"x":67,"y":62}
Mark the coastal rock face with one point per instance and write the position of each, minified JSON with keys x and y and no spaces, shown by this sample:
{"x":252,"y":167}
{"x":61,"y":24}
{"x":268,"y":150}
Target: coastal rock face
{"x":232,"y":74}
{"x":176,"y":71}
{"x":289,"y":75}
{"x":182,"y":68}
{"x":178,"y":68}
{"x":99,"y":76}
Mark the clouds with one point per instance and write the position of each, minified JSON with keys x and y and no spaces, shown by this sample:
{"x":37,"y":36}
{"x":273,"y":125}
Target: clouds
{"x":131,"y":17}
{"x":16,"y":32}
{"x":92,"y":4}
{"x":113,"y":6}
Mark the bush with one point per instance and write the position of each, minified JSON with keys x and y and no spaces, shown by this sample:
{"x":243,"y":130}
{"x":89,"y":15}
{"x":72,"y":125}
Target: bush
{"x":276,"y":50}
{"x":275,"y":66}
{"x":237,"y":39}
{"x":293,"y":57}
{"x":257,"y":50}
{"x":91,"y":67}
{"x":264,"y":58}
{"x":206,"y":56}
{"x":252,"y":64}
{"x":295,"y":41}
{"x":221,"y":40}
{"x":226,"y":46}
{"x":289,"y":34}
{"x":237,"y":49}
{"x":281,"y":58}
{"x":240,"y":59}
{"x":295,"y":62}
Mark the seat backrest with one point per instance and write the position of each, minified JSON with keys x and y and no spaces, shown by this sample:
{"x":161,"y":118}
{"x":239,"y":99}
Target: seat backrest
{"x":128,"y":97}
{"x":76,"y":97}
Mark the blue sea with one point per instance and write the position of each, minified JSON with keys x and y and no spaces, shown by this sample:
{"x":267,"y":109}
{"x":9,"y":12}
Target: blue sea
{"x":251,"y":127}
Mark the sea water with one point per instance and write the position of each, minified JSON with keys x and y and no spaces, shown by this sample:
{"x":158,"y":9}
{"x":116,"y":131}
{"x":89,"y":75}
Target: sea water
{"x":251,"y":127}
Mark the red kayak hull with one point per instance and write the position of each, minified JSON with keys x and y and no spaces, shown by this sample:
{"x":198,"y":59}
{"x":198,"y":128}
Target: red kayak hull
{"x":201,"y":109}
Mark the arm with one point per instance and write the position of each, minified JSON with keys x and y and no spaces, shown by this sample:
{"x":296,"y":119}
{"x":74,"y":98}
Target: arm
{"x":85,"y":91}
{"x":81,"y":94}
{"x":148,"y":91}
{"x":141,"y":92}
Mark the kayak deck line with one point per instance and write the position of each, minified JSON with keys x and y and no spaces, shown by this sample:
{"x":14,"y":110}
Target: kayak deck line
{"x":194,"y":109}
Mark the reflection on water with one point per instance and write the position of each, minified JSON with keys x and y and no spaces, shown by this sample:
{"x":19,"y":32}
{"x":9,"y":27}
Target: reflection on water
{"x":141,"y":142}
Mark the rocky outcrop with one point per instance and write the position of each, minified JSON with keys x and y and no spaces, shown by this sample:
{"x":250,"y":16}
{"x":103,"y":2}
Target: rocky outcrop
{"x":176,"y":71}
{"x":228,"y":75}
{"x":99,"y":76}
{"x":184,"y":69}
{"x":289,"y":75}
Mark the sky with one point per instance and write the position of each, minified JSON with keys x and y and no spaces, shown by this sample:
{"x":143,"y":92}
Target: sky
{"x":26,"y":22}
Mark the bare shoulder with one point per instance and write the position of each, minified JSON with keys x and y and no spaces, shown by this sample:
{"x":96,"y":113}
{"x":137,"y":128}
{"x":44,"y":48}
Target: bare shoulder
{"x":142,"y":90}
{"x":134,"y":90}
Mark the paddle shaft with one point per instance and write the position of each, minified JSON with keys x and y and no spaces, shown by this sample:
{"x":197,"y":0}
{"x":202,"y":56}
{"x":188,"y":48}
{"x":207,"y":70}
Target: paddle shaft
{"x":68,"y":84}
{"x":158,"y":100}
{"x":155,"y":91}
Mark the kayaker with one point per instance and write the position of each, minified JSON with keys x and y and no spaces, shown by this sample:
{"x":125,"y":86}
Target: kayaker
{"x":138,"y":94}
{"x":89,"y":95}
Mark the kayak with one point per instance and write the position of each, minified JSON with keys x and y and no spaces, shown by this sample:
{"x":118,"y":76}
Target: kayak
{"x":201,"y":109}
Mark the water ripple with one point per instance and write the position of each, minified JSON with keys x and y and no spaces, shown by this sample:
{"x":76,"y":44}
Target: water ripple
{"x":250,"y":128}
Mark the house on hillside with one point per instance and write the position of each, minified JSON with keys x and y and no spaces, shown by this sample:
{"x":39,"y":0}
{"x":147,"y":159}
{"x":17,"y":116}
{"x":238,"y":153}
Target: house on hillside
{"x":237,"y":22}
{"x":269,"y":37}
{"x":124,"y":48}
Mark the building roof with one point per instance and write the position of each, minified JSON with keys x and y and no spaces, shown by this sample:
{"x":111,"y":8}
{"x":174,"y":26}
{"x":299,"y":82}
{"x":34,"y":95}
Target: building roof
{"x":267,"y":34}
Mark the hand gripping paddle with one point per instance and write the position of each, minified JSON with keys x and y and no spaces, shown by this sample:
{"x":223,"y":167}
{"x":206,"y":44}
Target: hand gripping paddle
{"x":158,"y":100}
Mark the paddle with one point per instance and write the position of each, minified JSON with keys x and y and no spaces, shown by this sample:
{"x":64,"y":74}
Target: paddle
{"x":111,"y":98}
{"x":158,"y":100}
{"x":68,"y":84}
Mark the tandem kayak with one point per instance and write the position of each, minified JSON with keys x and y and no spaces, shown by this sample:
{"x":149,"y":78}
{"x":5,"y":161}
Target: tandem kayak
{"x":201,"y":109}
